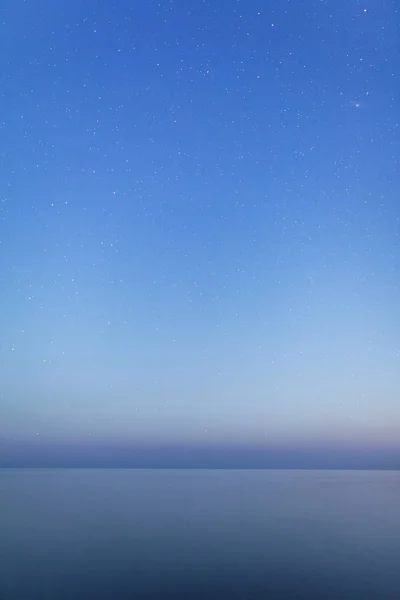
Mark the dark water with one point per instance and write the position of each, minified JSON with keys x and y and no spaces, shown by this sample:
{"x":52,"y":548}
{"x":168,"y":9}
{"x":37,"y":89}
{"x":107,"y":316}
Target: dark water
{"x":77,"y":534}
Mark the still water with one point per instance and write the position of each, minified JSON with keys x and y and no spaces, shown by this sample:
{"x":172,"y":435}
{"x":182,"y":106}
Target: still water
{"x":81,"y":534}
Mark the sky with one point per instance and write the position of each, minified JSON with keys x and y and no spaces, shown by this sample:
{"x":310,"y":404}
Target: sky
{"x":199,"y":228}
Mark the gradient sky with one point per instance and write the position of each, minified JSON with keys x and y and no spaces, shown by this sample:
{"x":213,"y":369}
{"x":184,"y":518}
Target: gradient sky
{"x":200,"y":222}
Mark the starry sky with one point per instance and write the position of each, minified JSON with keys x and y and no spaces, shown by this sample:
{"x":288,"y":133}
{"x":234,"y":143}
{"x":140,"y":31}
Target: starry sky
{"x":199,"y":223}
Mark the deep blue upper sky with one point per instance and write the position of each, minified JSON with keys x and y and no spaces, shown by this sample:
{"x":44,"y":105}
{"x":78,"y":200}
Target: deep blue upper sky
{"x":200,"y":221}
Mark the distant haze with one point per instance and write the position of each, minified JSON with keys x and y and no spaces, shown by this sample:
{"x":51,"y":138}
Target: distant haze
{"x":106,"y":455}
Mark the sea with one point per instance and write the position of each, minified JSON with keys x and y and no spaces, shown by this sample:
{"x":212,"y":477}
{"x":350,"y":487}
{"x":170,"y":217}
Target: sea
{"x":191,"y":534}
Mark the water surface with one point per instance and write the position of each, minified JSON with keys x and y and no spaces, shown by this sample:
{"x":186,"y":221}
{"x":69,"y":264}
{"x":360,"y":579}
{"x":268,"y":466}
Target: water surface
{"x":79,"y":534}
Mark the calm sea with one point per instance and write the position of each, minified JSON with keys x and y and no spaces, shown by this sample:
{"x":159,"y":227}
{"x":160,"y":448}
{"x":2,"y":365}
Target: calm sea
{"x":81,"y":534}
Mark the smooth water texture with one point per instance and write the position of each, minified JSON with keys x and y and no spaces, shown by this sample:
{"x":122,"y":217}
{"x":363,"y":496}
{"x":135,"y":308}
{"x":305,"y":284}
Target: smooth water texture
{"x":81,"y":534}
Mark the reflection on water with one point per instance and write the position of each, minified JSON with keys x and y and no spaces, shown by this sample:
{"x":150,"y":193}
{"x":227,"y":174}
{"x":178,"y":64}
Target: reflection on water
{"x":77,"y":534}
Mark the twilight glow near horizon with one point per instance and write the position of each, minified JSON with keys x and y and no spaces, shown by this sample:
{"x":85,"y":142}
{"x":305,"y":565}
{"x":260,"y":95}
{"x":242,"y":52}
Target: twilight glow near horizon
{"x":200,"y":222}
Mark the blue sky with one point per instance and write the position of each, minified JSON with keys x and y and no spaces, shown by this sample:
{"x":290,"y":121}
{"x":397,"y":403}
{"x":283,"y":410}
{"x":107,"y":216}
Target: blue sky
{"x":200,"y":223}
